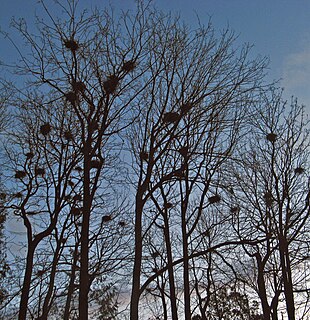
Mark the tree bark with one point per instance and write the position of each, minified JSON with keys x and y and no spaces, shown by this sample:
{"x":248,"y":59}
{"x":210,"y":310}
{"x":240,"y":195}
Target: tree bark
{"x":135,"y":294}
{"x":84,"y":272}
{"x":27,"y":282}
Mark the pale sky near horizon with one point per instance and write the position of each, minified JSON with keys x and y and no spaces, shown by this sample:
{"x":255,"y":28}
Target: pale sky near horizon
{"x":278,"y":29}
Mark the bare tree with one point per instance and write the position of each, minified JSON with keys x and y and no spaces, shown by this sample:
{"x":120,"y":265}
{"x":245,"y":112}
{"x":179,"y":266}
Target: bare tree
{"x":271,"y":194}
{"x":189,"y":125}
{"x":84,"y":82}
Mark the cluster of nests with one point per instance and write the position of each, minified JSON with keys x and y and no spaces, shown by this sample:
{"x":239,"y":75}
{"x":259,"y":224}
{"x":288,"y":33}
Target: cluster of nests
{"x":78,"y":211}
{"x":45,"y":129}
{"x":172,"y":117}
{"x":21,"y":174}
{"x":109,"y":85}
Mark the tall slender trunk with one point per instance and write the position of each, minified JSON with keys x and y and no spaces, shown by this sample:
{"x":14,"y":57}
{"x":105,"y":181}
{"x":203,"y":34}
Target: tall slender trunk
{"x":47,"y":300}
{"x":27,"y":282}
{"x":262,"y":288}
{"x":84,"y":272}
{"x":287,"y":278}
{"x":187,"y":306}
{"x":135,"y":293}
{"x":71,"y":283}
{"x":173,"y":300}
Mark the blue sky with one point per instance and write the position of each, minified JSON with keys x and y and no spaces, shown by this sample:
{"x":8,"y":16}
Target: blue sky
{"x":278,"y":29}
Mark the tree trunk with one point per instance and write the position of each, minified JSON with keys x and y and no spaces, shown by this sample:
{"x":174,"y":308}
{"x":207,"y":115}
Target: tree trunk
{"x":71,"y":283}
{"x":287,"y":278}
{"x":262,"y":288}
{"x":84,"y":272}
{"x":173,"y":300}
{"x":135,"y":294}
{"x":187,"y":306}
{"x":27,"y":282}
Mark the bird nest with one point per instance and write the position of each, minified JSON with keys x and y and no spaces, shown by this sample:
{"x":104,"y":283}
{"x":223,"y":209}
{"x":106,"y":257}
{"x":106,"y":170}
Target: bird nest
{"x":106,"y":218}
{"x":39,"y":171}
{"x":185,"y":107}
{"x":272,"y":137}
{"x":20,"y":174}
{"x":78,"y":86}
{"x":299,"y":170}
{"x":71,"y":44}
{"x":171,"y":117}
{"x":129,"y":66}
{"x":71,"y":97}
{"x":68,"y":135}
{"x":110,"y":85}
{"x":144,"y":156}
{"x":45,"y":129}
{"x":214,"y":199}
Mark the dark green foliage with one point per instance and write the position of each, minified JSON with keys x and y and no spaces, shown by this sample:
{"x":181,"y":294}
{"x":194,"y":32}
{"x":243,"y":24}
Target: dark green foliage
{"x":106,"y":298}
{"x":229,"y":304}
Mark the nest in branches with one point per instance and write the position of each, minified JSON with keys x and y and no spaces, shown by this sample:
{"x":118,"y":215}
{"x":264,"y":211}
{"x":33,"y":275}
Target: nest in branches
{"x":168,"y":205}
{"x":94,"y":125}
{"x":214,"y":199}
{"x":31,"y":213}
{"x":2,"y":218}
{"x":179,"y":174}
{"x":2,"y":196}
{"x":29,"y":155}
{"x":68,"y":135}
{"x":186,"y":107}
{"x":183,"y":151}
{"x":110,"y":85}
{"x":71,"y":183}
{"x":40,"y":273}
{"x":144,"y":156}
{"x":77,"y":197}
{"x":39,"y":171}
{"x":76,"y":211}
{"x":71,"y":97}
{"x":272,"y":137}
{"x":122,"y":224}
{"x":299,"y":170}
{"x":78,"y":86}
{"x":78,"y":169}
{"x":18,"y":195}
{"x":268,"y":199}
{"x":106,"y":218}
{"x":45,"y":129}
{"x":71,"y":44}
{"x":20,"y":174}
{"x":129,"y":66}
{"x":171,"y":117}
{"x":155,"y":254}
{"x":67,"y":197}
{"x":95,"y":164}
{"x":234,"y":209}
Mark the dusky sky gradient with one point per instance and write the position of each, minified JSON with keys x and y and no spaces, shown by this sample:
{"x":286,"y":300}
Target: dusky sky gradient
{"x":278,"y":29}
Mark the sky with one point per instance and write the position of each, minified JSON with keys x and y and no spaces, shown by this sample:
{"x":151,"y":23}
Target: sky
{"x":278,"y":29}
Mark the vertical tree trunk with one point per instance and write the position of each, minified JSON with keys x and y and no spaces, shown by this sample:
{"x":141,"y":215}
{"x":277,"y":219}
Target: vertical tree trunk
{"x":22,"y":315}
{"x":262,"y":288}
{"x":187,"y":306}
{"x":135,"y":294}
{"x":71,"y":283}
{"x":173,"y":300}
{"x":287,"y":278}
{"x":84,"y":272}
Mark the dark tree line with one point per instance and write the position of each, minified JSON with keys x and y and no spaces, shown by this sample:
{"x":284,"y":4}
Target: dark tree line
{"x":153,"y":173}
